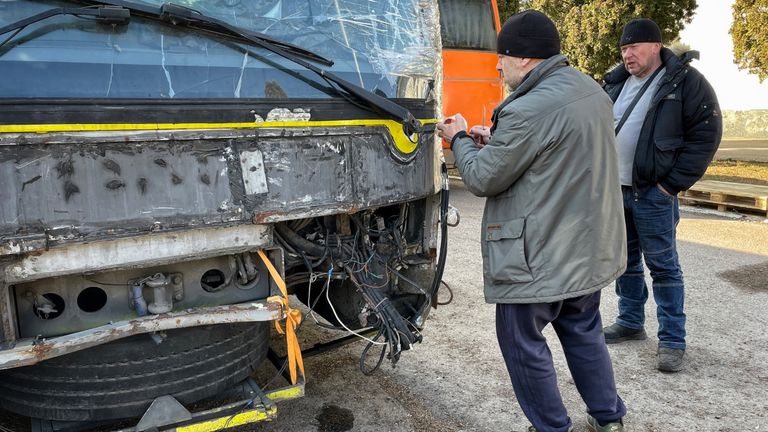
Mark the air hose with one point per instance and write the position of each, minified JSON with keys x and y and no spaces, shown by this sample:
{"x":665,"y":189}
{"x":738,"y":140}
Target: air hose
{"x":443,"y":252}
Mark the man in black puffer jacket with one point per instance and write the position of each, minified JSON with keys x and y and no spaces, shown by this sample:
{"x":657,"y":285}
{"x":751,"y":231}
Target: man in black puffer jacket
{"x":668,"y":129}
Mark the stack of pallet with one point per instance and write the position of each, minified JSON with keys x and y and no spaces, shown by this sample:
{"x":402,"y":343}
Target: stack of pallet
{"x":728,"y":195}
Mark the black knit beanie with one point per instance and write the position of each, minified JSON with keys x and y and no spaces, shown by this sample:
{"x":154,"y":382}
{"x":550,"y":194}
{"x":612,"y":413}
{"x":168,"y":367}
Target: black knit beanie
{"x":529,"y":34}
{"x":640,"y":30}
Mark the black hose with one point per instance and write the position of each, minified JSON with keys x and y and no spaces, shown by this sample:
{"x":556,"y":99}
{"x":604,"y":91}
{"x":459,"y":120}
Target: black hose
{"x":450,"y":291}
{"x":297,"y":241}
{"x":354,"y":253}
{"x":443,"y":253}
{"x":365,"y":354}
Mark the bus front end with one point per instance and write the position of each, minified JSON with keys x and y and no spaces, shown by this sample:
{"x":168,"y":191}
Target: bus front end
{"x":173,"y":172}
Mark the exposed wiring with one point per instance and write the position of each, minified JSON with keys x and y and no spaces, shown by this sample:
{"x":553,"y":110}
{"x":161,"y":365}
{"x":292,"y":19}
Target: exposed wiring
{"x":328,"y":299}
{"x":107,"y":283}
{"x":246,"y":405}
{"x":275,"y":376}
{"x":312,"y":278}
{"x":366,"y":252}
{"x":365,"y":354}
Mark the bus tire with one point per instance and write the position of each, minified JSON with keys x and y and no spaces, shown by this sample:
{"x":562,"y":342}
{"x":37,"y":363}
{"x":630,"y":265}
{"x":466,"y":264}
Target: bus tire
{"x":120,"y":379}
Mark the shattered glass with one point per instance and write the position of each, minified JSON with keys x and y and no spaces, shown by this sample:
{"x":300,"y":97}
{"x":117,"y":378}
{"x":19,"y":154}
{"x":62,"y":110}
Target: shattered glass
{"x":383,"y":46}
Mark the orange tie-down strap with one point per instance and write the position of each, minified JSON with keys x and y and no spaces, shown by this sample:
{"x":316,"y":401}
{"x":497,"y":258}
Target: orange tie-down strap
{"x":292,"y":321}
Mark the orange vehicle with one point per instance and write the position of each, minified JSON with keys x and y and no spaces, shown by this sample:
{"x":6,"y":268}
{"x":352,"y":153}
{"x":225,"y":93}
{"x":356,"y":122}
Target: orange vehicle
{"x":471,"y":83}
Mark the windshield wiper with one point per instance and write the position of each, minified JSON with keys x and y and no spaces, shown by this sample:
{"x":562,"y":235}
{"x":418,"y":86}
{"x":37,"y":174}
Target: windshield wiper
{"x":182,"y":16}
{"x":118,"y":13}
{"x":107,"y":14}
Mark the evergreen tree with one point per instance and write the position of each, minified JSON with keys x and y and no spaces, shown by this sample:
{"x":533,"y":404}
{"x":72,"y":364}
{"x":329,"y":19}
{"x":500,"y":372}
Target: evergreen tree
{"x":590,"y":29}
{"x":507,"y":8}
{"x":750,"y":36}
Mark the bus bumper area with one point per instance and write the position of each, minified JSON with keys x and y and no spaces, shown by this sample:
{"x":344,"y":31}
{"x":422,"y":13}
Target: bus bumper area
{"x":166,"y":414}
{"x":27,"y":352}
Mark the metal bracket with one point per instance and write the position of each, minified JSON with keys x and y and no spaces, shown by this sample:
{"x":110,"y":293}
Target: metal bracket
{"x":164,"y":411}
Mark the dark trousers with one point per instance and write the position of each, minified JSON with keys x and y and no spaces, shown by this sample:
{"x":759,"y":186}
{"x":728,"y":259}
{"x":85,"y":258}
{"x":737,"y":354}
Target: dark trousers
{"x":529,"y":362}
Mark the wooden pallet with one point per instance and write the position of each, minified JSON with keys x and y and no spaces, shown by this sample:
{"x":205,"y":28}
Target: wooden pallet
{"x":727,"y":194}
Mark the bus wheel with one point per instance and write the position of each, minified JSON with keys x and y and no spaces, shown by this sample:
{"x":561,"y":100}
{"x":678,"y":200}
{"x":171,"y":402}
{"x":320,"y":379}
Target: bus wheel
{"x":120,"y":379}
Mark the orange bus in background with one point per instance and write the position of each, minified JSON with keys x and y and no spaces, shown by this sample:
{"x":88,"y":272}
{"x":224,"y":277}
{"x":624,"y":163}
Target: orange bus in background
{"x":471,"y":84}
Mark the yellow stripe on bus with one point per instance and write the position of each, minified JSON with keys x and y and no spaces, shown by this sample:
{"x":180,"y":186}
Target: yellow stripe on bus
{"x":286,"y":393}
{"x":402,"y":143}
{"x":243,"y":418}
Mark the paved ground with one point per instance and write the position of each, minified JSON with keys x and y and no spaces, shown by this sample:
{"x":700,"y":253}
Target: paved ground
{"x":746,"y":150}
{"x":455,"y":380}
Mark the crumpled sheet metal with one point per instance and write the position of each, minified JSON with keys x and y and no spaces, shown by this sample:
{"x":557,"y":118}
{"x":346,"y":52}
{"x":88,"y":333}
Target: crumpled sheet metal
{"x":29,"y":352}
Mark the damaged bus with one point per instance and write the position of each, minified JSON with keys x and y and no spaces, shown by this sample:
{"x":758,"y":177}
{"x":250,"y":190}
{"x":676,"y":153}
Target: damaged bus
{"x":172,"y":172}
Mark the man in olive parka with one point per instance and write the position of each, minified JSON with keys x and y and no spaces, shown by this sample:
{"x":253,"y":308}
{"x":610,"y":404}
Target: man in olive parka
{"x":552,"y":233}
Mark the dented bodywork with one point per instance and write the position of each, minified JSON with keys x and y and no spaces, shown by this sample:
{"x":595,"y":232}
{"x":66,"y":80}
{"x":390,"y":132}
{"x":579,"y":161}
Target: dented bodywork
{"x":147,"y":161}
{"x":233,"y":175}
{"x":33,"y":351}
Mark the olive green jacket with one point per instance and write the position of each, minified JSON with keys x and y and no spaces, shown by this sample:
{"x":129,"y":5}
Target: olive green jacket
{"x":553,"y":225}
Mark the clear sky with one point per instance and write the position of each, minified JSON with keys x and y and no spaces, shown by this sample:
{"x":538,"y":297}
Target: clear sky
{"x":708,"y":33}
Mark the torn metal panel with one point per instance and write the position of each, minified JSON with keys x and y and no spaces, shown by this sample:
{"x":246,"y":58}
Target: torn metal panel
{"x":12,"y":245}
{"x":145,"y":250}
{"x":342,"y":169}
{"x":29,"y":352}
{"x":284,"y":114}
{"x":190,"y":179}
{"x":102,"y":186}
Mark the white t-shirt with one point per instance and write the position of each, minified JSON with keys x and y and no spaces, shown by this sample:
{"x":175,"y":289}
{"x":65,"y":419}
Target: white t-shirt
{"x":626,"y":140}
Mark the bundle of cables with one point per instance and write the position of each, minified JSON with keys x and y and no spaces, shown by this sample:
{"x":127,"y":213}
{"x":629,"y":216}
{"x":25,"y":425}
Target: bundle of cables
{"x":368,"y":270}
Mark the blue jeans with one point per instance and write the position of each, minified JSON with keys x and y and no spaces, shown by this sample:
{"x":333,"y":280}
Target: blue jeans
{"x":651,"y":222}
{"x":529,"y":362}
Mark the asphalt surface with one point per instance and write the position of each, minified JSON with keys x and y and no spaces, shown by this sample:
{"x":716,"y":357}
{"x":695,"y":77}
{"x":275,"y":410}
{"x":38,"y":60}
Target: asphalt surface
{"x":456,"y":380}
{"x":745,"y":150}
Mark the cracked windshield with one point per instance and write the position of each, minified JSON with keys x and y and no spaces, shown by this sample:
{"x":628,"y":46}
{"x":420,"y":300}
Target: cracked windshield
{"x":383,"y":46}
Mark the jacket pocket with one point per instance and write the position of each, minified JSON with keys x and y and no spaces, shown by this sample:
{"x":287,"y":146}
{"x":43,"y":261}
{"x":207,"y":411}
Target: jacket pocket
{"x":506,"y":252}
{"x":665,"y":155}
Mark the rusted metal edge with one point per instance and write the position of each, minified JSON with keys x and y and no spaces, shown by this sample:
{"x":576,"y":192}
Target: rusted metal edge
{"x":7,"y":313}
{"x":136,"y":251}
{"x":31,"y":351}
{"x":21,"y":245}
